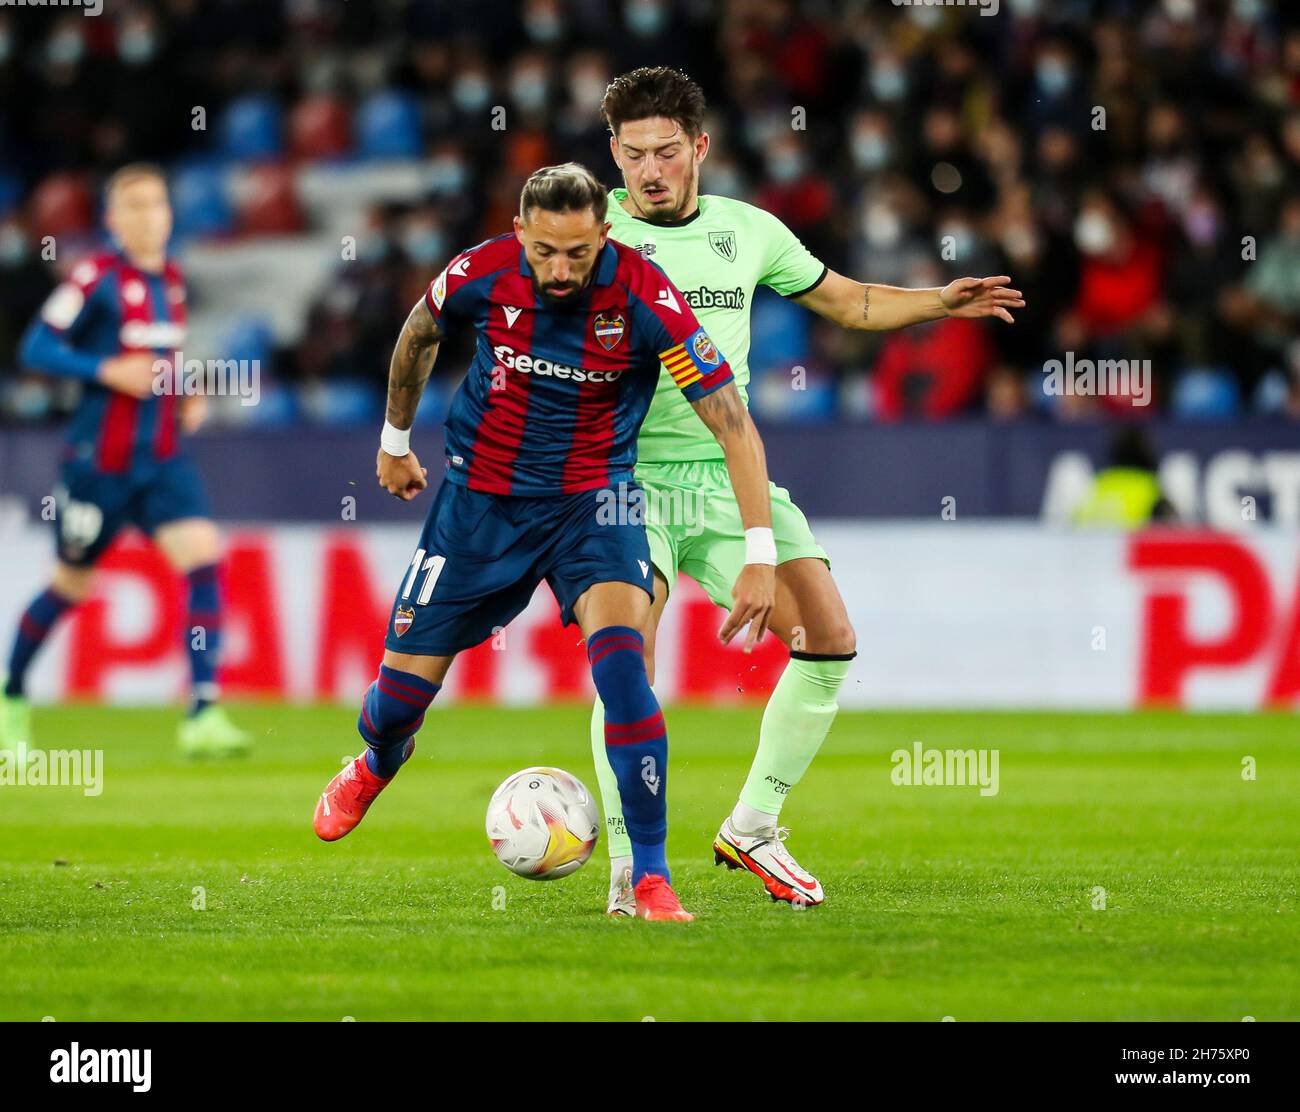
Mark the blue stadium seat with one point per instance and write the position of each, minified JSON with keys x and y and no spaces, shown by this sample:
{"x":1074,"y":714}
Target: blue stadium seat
{"x":436,"y":401}
{"x":773,"y":396}
{"x":249,"y":339}
{"x":11,"y":191}
{"x":277,"y":408}
{"x":388,"y":126}
{"x":1206,"y":394}
{"x":1271,"y":393}
{"x":200,"y":206}
{"x":780,"y":331}
{"x":342,"y":402}
{"x":251,"y":129}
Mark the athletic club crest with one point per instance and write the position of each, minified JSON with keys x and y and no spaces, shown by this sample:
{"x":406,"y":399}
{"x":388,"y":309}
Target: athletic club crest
{"x":724,"y":243}
{"x":402,"y":619}
{"x":609,"y":330}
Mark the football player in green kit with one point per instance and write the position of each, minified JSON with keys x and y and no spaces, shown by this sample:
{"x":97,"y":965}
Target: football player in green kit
{"x":717,"y":250}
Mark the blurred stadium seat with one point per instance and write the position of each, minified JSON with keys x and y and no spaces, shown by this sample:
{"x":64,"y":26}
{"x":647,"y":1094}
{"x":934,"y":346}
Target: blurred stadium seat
{"x":200,"y":206}
{"x":251,"y":128}
{"x":319,"y":129}
{"x":388,"y":126}
{"x":269,"y":205}
{"x":1206,"y":394}
{"x":62,"y":205}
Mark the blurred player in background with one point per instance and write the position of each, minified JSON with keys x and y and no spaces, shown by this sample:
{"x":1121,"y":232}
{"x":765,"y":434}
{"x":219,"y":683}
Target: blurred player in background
{"x":115,"y":316}
{"x":713,"y":246}
{"x":570,"y":333}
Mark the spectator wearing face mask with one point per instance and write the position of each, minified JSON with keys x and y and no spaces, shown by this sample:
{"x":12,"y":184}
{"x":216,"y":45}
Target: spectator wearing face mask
{"x":1119,"y":311}
{"x":1207,"y":256}
{"x":1119,"y":278}
{"x":800,"y":196}
{"x":1264,"y":309}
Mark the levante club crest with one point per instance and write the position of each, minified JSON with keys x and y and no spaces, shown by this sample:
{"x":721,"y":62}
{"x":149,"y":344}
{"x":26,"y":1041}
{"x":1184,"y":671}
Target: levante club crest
{"x":402,"y":619}
{"x":609,"y":330}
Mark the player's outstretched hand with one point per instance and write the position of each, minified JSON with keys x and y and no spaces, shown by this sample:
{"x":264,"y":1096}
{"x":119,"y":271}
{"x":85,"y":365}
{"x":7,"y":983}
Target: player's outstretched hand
{"x":981,"y":297}
{"x":129,"y":374}
{"x":401,"y":476}
{"x":755,"y":595}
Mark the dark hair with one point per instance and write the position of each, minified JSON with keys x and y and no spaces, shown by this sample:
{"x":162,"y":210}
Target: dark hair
{"x":1130,"y":447}
{"x":654,"y":91}
{"x":569,"y":187}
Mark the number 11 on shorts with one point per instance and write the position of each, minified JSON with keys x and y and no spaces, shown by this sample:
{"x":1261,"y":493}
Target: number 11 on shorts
{"x":432,"y":568}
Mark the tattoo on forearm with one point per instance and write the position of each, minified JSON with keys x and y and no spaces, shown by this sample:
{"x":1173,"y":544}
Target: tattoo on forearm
{"x":723,"y":411}
{"x":866,"y":302}
{"x":411,"y":365}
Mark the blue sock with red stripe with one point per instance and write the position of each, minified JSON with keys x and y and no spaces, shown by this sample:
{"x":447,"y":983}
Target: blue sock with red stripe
{"x":34,"y":626}
{"x":392,"y":709}
{"x":636,"y":742}
{"x":203,"y":634}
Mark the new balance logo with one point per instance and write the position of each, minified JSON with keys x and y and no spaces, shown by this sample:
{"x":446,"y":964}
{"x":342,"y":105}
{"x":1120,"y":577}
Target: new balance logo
{"x":512,"y":314}
{"x":667,"y":300}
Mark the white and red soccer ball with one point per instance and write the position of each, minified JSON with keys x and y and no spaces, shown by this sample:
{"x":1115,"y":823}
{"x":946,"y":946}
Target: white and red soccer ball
{"x":542,"y":823}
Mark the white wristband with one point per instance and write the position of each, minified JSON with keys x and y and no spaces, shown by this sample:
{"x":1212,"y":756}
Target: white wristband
{"x":395,"y":441}
{"x":760,"y":547}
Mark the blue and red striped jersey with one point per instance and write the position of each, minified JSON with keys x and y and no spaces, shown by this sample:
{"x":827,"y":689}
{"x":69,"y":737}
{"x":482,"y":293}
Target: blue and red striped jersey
{"x":556,"y":393}
{"x":109,"y":307}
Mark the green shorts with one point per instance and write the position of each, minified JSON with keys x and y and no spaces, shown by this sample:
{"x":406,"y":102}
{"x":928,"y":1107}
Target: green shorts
{"x":694,"y":525}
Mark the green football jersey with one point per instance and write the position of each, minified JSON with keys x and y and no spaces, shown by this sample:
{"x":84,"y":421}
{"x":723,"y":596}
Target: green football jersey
{"x":716,"y":258}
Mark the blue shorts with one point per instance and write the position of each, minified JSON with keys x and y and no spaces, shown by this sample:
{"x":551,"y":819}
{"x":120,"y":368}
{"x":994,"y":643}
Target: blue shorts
{"x":92,"y":507}
{"x":481,"y":557}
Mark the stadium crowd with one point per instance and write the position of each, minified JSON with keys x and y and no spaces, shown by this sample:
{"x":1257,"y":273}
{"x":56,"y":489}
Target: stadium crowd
{"x":1135,"y":167}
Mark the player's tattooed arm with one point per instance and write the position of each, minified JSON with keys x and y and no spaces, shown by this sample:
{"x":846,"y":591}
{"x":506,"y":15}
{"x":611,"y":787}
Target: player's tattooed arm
{"x":408,"y":370}
{"x":754,"y":593}
{"x":411,"y":365}
{"x":724,"y":412}
{"x":874,"y":308}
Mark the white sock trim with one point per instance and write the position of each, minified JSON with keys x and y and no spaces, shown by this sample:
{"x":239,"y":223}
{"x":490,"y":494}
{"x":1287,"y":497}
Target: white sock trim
{"x":751,"y":821}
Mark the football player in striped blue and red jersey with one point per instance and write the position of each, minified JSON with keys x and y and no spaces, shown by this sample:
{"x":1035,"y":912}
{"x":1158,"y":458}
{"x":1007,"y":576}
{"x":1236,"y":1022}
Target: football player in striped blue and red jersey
{"x":117,"y":315}
{"x":570,"y":330}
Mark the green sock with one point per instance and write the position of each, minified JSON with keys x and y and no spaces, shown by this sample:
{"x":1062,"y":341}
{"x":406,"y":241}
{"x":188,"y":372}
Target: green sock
{"x":616,"y":838}
{"x":795,"y":723}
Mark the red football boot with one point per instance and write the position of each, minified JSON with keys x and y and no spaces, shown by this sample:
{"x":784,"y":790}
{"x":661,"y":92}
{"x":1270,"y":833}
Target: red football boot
{"x":346,"y":799}
{"x":655,"y":900}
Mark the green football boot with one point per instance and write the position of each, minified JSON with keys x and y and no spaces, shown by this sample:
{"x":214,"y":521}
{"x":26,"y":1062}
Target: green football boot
{"x":210,"y":733}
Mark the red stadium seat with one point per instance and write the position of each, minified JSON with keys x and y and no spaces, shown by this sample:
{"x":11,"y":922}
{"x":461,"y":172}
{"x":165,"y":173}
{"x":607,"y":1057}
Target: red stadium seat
{"x":63,"y":204}
{"x":319,"y":128}
{"x":271,"y":205}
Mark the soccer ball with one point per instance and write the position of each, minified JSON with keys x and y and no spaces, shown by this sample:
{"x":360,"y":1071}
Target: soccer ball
{"x":542,"y":823}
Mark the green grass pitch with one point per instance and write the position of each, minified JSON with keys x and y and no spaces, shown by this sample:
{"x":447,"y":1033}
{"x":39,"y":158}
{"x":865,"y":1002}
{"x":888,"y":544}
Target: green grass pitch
{"x":940,"y":902}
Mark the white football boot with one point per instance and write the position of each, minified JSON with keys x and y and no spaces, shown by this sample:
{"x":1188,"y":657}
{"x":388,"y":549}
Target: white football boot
{"x":622,"y":898}
{"x":767,"y":858}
